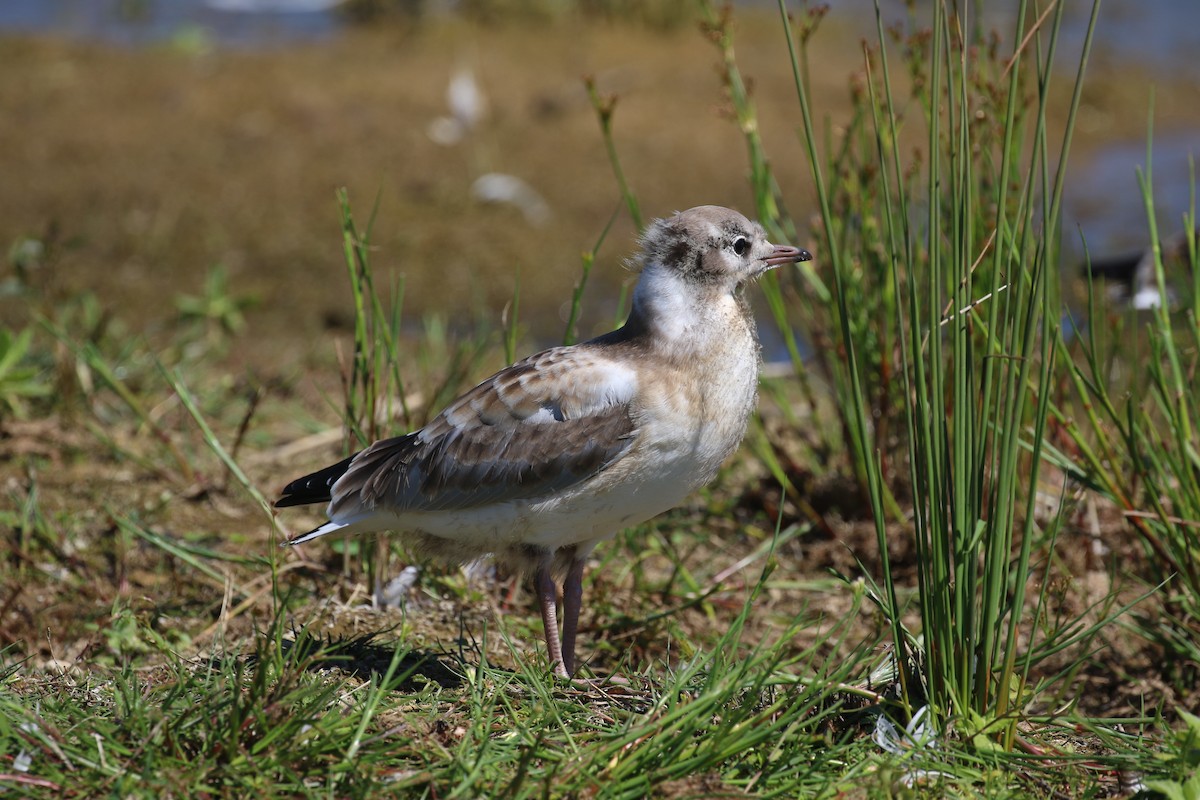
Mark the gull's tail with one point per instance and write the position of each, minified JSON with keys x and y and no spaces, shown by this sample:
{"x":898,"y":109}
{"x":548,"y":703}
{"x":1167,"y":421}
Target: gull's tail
{"x":314,"y":488}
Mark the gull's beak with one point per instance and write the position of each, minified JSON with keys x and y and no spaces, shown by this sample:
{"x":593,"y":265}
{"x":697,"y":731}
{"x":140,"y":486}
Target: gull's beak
{"x":783,"y":254}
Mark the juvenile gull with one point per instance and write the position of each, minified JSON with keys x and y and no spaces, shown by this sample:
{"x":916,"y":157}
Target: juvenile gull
{"x":558,"y":452}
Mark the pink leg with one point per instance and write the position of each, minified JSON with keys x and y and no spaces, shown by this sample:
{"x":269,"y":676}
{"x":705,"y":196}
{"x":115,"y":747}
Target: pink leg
{"x":572,"y":603}
{"x":548,"y":596}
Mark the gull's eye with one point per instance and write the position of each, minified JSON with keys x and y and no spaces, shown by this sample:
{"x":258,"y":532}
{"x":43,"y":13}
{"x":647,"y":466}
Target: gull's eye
{"x":741,"y":245}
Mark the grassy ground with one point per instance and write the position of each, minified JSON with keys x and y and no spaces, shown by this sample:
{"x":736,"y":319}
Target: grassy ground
{"x":158,"y":643}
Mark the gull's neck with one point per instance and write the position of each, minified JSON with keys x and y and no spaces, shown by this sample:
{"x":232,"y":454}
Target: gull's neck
{"x":670,"y":312}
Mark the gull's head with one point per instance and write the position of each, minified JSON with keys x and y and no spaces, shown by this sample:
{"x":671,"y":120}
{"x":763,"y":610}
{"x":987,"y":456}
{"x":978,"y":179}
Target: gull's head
{"x":694,"y":265}
{"x":713,"y":247}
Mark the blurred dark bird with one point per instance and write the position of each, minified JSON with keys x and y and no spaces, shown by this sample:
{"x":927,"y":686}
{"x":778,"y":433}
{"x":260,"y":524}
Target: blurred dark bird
{"x":1131,"y":276}
{"x":556,"y":453}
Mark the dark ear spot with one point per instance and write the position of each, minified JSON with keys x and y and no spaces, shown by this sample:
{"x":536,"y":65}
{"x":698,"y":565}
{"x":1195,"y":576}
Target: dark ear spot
{"x":678,"y":253}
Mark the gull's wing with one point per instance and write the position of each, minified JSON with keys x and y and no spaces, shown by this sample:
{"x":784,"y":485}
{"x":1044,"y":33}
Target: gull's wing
{"x":539,"y":426}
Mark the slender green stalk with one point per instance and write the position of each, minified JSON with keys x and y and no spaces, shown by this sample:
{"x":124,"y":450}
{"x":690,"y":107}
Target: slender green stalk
{"x":511,"y":328}
{"x":893,"y":213}
{"x":570,"y":334}
{"x":604,"y":107}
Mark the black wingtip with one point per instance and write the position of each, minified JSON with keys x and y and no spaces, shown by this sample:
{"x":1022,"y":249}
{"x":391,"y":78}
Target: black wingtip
{"x":314,"y":488}
{"x":287,"y":499}
{"x":1114,"y":268}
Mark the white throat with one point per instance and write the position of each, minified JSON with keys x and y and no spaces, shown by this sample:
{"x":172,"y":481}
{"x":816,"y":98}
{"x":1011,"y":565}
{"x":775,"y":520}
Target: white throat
{"x":676,"y":309}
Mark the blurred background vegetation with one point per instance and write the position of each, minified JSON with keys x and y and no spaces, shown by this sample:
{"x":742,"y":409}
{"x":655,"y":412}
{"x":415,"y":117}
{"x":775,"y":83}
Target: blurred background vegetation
{"x":151,"y":142}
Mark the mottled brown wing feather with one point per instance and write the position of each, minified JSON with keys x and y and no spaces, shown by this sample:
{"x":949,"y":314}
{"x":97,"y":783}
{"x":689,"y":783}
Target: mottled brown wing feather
{"x":537,"y":427}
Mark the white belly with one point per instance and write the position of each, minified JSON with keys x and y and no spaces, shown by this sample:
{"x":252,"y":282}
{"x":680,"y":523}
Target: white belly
{"x":681,"y":444}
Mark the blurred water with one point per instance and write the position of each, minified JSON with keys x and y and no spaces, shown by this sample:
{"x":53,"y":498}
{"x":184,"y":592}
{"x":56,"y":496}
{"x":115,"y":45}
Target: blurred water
{"x":237,"y":23}
{"x":1103,"y":201}
{"x":1158,"y":33}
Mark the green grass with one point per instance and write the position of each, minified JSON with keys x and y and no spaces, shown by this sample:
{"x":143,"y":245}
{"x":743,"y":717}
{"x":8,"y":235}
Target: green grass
{"x":931,"y":635}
